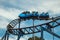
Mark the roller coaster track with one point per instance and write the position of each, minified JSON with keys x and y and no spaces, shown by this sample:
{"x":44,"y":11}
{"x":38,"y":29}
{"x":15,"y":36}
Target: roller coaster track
{"x":32,"y":29}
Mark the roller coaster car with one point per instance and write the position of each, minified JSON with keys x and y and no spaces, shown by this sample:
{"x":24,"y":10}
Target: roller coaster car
{"x":35,"y":15}
{"x":25,"y":15}
{"x":44,"y":16}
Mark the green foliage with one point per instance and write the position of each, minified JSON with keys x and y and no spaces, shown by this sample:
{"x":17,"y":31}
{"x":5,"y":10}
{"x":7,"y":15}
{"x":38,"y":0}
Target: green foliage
{"x":36,"y":38}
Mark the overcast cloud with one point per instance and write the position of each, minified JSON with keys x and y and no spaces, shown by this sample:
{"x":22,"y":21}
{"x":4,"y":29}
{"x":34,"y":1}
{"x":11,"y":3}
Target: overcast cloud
{"x":10,"y":9}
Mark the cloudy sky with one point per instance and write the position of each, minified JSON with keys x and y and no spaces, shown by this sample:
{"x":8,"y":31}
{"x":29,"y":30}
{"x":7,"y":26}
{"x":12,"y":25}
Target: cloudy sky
{"x":10,"y":9}
{"x":14,"y":7}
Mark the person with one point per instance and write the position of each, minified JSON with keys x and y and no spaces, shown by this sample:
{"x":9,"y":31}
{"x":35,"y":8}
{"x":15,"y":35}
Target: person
{"x":42,"y":16}
{"x":35,"y":14}
{"x":46,"y":15}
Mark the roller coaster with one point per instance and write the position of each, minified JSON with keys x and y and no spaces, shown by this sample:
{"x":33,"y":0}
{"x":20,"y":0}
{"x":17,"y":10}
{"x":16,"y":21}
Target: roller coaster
{"x":32,"y":29}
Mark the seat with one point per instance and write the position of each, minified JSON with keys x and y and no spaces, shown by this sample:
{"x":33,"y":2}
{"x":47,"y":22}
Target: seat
{"x":44,"y":16}
{"x":25,"y":15}
{"x":35,"y":14}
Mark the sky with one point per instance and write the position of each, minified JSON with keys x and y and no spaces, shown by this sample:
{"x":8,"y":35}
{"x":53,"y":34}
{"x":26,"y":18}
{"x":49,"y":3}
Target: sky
{"x":10,"y":9}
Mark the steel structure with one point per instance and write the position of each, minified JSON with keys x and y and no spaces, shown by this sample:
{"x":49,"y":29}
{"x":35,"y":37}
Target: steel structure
{"x":32,"y":29}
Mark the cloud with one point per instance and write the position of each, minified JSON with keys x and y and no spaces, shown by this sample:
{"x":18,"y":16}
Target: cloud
{"x":3,"y":22}
{"x":10,"y":14}
{"x":39,"y":5}
{"x":9,"y":4}
{"x":10,"y":9}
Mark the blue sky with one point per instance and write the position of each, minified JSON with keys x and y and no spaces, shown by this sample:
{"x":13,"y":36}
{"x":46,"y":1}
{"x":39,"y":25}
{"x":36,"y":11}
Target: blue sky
{"x":10,"y":9}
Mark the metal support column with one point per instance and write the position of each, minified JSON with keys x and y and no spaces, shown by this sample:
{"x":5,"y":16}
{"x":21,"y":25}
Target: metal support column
{"x":7,"y":36}
{"x":18,"y":37}
{"x":18,"y":31}
{"x":53,"y":35}
{"x":53,"y":28}
{"x":33,"y":30}
{"x":41,"y":33}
